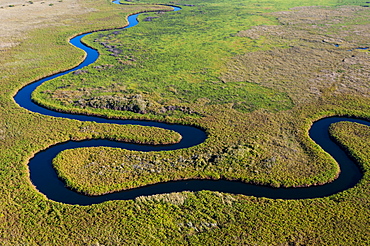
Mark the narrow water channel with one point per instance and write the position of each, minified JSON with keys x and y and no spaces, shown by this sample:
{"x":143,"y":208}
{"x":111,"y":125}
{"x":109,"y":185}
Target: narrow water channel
{"x":45,"y":179}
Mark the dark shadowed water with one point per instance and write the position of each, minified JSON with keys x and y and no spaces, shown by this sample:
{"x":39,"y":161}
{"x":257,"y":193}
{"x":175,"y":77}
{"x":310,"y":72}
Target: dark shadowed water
{"x":44,"y":177}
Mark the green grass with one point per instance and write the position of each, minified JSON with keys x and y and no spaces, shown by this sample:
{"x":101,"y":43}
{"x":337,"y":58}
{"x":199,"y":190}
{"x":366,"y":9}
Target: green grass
{"x":162,"y":62}
{"x":242,"y":69}
{"x":267,"y":143}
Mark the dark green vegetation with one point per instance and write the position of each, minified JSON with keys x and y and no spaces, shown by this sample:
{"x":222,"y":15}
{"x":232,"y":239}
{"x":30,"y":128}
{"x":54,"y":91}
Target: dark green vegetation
{"x":255,"y":84}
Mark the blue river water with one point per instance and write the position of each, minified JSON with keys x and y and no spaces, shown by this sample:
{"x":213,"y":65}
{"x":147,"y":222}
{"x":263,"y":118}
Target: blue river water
{"x":45,"y":179}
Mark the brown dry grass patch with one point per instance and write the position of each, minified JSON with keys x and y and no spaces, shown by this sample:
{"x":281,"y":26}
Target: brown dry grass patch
{"x":18,"y":17}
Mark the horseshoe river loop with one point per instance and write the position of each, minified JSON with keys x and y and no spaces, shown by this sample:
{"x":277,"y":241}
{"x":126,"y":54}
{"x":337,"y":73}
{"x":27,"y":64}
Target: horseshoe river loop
{"x":45,"y":179}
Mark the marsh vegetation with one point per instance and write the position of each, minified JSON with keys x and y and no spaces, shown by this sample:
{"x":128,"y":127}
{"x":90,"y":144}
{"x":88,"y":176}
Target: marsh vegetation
{"x":254,"y":75}
{"x":260,"y":78}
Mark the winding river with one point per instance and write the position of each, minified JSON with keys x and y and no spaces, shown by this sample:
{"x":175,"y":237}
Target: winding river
{"x":44,"y":177}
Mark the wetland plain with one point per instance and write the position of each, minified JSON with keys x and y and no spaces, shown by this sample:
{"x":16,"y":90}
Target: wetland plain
{"x":255,"y":78}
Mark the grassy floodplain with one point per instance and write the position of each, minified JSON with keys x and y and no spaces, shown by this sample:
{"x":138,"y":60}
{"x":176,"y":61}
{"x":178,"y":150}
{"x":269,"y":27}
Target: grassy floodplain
{"x":255,"y":77}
